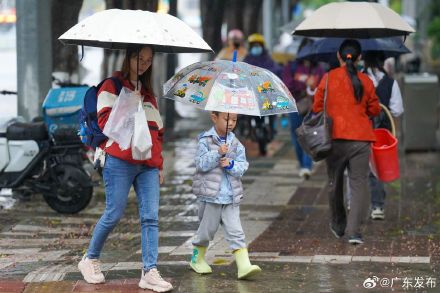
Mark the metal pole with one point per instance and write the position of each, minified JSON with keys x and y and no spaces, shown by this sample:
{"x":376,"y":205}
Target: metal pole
{"x":171,"y":67}
{"x":285,"y":11}
{"x":34,"y":55}
{"x":267,"y":22}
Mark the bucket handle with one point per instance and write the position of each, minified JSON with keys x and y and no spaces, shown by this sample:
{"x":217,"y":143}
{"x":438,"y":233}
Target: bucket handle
{"x":390,"y":117}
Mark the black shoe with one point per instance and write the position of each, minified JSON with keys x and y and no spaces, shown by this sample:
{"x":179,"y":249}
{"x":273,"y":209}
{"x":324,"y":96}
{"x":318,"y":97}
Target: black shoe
{"x":355,"y":240}
{"x":337,"y":235}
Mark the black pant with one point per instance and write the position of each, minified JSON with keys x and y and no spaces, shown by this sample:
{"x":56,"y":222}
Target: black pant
{"x":353,"y":155}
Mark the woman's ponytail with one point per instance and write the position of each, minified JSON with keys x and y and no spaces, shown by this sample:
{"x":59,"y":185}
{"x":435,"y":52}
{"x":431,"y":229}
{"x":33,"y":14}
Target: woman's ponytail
{"x":349,"y":52}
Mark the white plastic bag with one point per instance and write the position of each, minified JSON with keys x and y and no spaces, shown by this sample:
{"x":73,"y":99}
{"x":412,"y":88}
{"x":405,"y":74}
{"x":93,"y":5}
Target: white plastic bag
{"x":120,"y":124}
{"x":141,"y":143}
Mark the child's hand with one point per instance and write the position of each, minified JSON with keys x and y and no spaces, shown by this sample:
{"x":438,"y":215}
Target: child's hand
{"x":223,"y":150}
{"x":225,"y":162}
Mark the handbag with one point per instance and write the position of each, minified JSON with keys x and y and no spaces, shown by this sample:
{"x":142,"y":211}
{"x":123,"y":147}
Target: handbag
{"x":304,"y":105}
{"x":141,"y":143}
{"x":314,"y":134}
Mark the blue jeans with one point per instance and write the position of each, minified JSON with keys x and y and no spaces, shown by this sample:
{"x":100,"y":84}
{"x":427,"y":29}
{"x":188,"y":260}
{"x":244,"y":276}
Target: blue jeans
{"x":119,"y":176}
{"x":377,"y":192}
{"x":304,"y":160}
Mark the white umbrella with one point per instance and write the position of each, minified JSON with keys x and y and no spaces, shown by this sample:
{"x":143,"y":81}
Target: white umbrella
{"x":118,"y":29}
{"x":353,"y":20}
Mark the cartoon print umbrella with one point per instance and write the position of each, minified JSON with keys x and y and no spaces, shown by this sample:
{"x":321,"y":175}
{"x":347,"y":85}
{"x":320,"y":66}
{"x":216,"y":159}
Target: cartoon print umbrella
{"x":230,"y":87}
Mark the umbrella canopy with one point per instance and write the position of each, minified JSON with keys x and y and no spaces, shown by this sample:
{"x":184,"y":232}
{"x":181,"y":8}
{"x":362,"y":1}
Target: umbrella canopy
{"x":118,"y":29}
{"x":232,"y":87}
{"x":353,"y":20}
{"x":325,"y":49}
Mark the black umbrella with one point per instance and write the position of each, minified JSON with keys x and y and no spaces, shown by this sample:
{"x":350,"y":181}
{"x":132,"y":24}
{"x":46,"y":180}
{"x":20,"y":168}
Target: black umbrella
{"x":325,"y":49}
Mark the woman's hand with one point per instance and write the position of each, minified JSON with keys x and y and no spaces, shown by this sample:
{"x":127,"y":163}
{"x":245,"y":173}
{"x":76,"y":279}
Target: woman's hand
{"x":161,"y":177}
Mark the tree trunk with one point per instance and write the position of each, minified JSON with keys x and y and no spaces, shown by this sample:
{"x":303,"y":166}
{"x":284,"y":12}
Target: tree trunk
{"x":212,"y":22}
{"x":252,"y":17}
{"x":170,"y":112}
{"x":64,"y":16}
{"x":234,"y":14}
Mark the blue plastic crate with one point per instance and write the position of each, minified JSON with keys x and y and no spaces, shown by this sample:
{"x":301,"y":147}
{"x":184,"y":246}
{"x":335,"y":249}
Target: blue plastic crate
{"x":61,"y":108}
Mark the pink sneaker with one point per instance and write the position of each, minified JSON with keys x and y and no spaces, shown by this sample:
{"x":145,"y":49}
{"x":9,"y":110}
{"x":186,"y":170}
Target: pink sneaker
{"x":91,"y":270}
{"x":153,"y":281}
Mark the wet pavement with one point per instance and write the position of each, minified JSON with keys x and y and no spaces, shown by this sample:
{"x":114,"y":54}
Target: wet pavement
{"x":285,"y":220}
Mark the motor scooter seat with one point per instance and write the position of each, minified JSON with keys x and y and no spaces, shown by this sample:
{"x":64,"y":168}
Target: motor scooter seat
{"x":27,"y":131}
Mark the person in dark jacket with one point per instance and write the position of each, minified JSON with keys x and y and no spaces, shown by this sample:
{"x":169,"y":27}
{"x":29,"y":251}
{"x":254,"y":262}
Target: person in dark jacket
{"x":264,"y":128}
{"x":301,"y":77}
{"x":259,"y":56}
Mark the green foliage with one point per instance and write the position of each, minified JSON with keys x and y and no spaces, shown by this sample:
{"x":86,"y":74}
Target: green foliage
{"x":315,"y":3}
{"x":396,"y":5}
{"x":434,"y":33}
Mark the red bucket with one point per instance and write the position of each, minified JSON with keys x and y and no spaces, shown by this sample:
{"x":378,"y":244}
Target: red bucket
{"x":384,"y":156}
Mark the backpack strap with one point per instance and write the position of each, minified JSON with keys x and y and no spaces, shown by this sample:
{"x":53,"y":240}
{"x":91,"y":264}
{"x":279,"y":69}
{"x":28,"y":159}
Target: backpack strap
{"x":118,"y":84}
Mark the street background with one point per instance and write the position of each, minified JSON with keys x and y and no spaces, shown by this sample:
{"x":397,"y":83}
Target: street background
{"x":285,"y":217}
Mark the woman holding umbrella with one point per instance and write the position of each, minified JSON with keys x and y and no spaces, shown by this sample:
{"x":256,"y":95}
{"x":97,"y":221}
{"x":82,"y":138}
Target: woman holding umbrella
{"x":351,"y":100}
{"x":121,"y":172}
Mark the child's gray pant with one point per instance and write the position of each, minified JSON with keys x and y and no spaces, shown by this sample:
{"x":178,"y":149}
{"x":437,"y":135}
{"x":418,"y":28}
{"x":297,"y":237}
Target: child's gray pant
{"x":211,"y":215}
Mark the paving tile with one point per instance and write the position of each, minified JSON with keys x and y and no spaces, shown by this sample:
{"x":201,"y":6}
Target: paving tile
{"x":380,"y":259}
{"x":12,"y":286}
{"x":400,"y":259}
{"x":420,"y":259}
{"x":361,"y":258}
{"x":109,"y":286}
{"x":337,"y":259}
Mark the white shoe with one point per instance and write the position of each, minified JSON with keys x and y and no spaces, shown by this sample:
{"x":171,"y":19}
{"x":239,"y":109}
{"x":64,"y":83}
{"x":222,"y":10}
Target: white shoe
{"x":153,"y":281}
{"x":91,"y":270}
{"x":377,"y":214}
{"x":305,"y":173}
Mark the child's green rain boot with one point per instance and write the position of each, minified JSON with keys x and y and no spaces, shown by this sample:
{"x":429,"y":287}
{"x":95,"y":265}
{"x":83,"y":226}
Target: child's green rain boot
{"x":245,"y":268}
{"x":198,"y":263}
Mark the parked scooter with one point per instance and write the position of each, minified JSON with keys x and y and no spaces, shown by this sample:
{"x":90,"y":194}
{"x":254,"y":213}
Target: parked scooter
{"x":47,"y":156}
{"x":258,"y":129}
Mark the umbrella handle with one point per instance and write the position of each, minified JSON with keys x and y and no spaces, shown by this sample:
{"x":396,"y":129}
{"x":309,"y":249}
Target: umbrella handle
{"x":234,"y":58}
{"x":390,"y":117}
{"x":137,"y":69}
{"x":226,"y":136}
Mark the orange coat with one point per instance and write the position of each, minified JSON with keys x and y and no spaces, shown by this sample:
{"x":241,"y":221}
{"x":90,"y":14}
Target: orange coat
{"x":350,"y":118}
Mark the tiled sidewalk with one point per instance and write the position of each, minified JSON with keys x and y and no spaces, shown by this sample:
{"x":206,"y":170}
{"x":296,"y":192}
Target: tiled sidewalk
{"x":409,"y":234}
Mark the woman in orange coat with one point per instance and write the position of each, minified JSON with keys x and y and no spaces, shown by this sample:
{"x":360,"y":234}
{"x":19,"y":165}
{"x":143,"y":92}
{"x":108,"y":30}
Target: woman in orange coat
{"x":351,"y":101}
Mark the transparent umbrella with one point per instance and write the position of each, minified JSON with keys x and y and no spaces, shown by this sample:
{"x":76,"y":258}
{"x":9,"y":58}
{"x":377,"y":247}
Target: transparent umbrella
{"x":232,"y":87}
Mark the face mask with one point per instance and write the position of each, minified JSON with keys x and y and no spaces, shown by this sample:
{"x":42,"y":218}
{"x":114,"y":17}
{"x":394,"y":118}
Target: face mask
{"x":236,"y":44}
{"x":256,"y":51}
{"x":360,"y":65}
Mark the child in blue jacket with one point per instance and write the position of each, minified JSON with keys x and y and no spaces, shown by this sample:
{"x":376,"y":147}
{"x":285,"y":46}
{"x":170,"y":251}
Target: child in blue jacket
{"x":217,"y":184}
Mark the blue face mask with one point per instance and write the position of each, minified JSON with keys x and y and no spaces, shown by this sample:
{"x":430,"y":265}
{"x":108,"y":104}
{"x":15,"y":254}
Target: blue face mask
{"x":256,"y":50}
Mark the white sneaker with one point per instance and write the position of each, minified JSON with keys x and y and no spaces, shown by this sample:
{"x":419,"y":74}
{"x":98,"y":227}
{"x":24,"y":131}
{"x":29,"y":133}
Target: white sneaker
{"x":305,"y":173}
{"x":377,"y":214}
{"x":91,"y":270}
{"x":153,"y":281}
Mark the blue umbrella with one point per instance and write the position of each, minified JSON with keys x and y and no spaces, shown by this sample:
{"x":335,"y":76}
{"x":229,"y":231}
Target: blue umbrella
{"x":325,"y":49}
